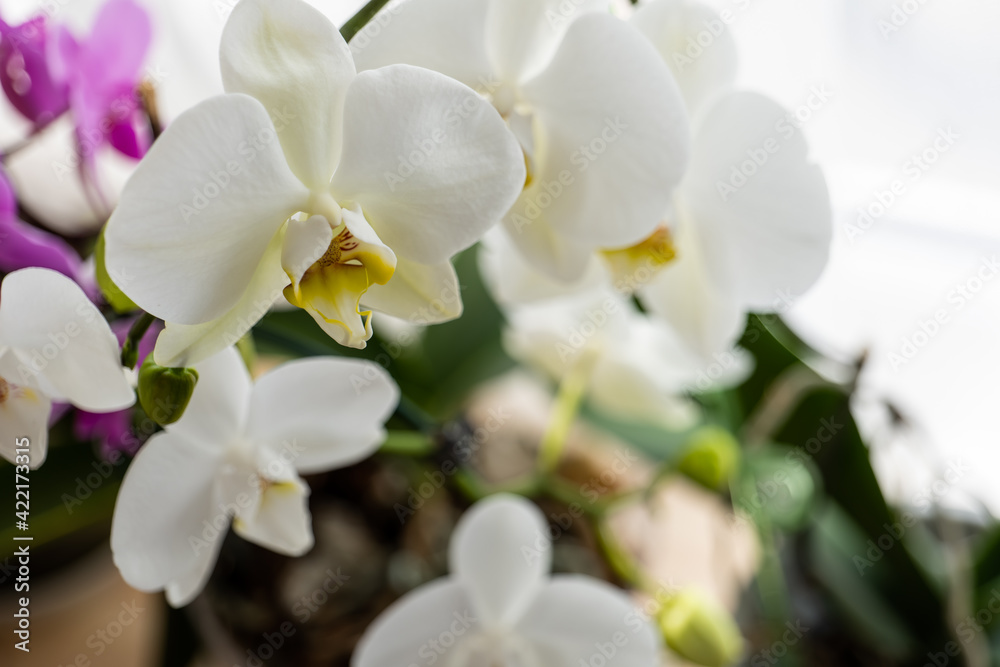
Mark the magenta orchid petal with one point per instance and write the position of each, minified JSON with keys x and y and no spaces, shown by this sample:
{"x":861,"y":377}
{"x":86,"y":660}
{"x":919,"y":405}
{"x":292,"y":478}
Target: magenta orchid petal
{"x":103,"y":71}
{"x":25,"y":75}
{"x":107,"y":73}
{"x":112,"y":430}
{"x":23,"y":246}
{"x":116,"y":49}
{"x":126,"y":140}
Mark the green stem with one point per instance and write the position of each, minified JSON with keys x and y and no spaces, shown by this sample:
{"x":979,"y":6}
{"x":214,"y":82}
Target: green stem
{"x":408,"y":443}
{"x":361,"y":19}
{"x":567,"y":405}
{"x":130,"y":348}
{"x":620,"y":562}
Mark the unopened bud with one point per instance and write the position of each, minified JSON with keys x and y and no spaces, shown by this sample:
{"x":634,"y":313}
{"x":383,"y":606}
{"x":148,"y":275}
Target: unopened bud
{"x":164,"y":392}
{"x":712,"y":457}
{"x":699,"y":630}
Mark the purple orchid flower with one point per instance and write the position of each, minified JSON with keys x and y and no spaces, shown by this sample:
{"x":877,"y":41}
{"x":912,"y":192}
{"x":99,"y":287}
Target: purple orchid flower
{"x":45,"y":70}
{"x":114,"y":430}
{"x":25,"y":75}
{"x":103,"y":72}
{"x":22,"y":245}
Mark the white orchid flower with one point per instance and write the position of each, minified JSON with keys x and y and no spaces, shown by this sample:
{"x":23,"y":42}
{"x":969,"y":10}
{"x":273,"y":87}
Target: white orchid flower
{"x":748,"y":228}
{"x":55,"y":346}
{"x":357,"y":188}
{"x":597,"y":113}
{"x":696,"y":44}
{"x":751,"y":223}
{"x":501,"y":607}
{"x":236,"y":454}
{"x":632,"y":367}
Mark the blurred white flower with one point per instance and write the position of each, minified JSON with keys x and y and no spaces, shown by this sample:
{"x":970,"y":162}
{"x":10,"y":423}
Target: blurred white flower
{"x":237,"y":454}
{"x":309,"y":179}
{"x":54,"y":346}
{"x":598,"y":116}
{"x":750,"y":224}
{"x":501,"y":607}
{"x":747,"y":229}
{"x":634,"y":367}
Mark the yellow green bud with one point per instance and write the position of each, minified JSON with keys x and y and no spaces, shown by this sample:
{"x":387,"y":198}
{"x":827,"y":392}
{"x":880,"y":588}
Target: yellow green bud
{"x":711,"y":458}
{"x":164,"y":393}
{"x":699,"y":630}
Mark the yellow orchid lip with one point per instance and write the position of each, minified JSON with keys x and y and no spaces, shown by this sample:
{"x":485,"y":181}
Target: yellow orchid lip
{"x":331,"y":289}
{"x":637,"y":264}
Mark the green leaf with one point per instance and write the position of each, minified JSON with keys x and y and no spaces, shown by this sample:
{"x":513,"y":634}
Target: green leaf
{"x":834,"y":544}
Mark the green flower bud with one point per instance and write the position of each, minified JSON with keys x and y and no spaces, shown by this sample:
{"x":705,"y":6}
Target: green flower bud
{"x":164,"y":393}
{"x":712,"y":457}
{"x":699,"y":630}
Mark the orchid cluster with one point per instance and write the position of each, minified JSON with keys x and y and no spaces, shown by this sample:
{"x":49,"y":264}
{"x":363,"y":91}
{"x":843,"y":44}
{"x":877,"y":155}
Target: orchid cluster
{"x":630,"y":209}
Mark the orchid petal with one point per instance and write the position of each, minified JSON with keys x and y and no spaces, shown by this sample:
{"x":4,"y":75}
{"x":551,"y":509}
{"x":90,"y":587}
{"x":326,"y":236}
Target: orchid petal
{"x":607,"y":111}
{"x":294,"y":61}
{"x":696,"y":301}
{"x":61,"y":341}
{"x":168,"y":524}
{"x":573,"y":612}
{"x":24,"y":413}
{"x":501,"y":552}
{"x":187,"y":344}
{"x":432,"y":165}
{"x":197,"y":216}
{"x":446,"y":36}
{"x":398,"y":635}
{"x":326,"y":413}
{"x":770,"y":232}
{"x":522,"y":35}
{"x":280,"y":521}
{"x":218,"y":407}
{"x":420,"y":293}
{"x":673,"y":26}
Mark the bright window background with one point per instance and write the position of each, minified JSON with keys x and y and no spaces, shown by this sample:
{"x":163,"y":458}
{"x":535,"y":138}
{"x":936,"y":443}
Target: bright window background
{"x":892,"y":92}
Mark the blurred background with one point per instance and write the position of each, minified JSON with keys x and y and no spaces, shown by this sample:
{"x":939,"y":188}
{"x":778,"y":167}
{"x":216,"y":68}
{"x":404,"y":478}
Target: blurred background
{"x":859,"y":528}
